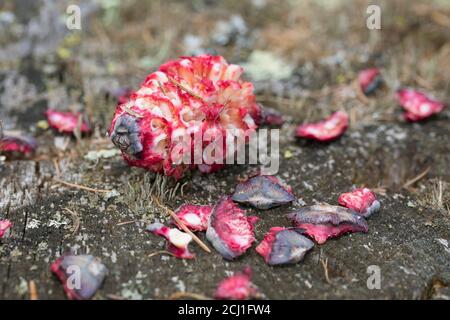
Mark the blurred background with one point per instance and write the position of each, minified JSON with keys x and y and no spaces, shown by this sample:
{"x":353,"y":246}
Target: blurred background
{"x":297,"y":52}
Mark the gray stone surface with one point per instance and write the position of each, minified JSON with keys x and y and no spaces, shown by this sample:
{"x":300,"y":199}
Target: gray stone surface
{"x":406,"y":240}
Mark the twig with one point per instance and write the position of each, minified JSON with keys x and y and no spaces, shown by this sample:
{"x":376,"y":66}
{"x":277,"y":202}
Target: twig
{"x":381,"y":190}
{"x":188,"y":90}
{"x":131,"y":112}
{"x":77,"y":131}
{"x":417,"y":178}
{"x":352,"y":116}
{"x":221,"y":109}
{"x":33,"y":290}
{"x":182,"y":188}
{"x":183,"y":226}
{"x":186,"y":229}
{"x":73,"y":185}
{"x":126,"y":222}
{"x":57,"y":169}
{"x":325,"y":268}
{"x":76,"y":220}
{"x":196,"y":296}
{"x":359,"y":93}
{"x":440,"y":19}
{"x":161,"y":252}
{"x":162,"y":88}
{"x":115,"y":297}
{"x":422,"y":82}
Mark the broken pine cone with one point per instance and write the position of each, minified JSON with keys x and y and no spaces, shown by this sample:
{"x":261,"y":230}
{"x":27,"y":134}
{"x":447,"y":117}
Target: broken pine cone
{"x":324,"y":221}
{"x":230,"y":231}
{"x":81,"y":275}
{"x":5,"y":226}
{"x":191,"y":97}
{"x":178,"y":240}
{"x":418,"y":105}
{"x":262,"y":192}
{"x":369,"y":80}
{"x":238,"y":287}
{"x":195,"y":217}
{"x":326,"y":130}
{"x":361,"y":200}
{"x":67,"y":122}
{"x":284,"y":246}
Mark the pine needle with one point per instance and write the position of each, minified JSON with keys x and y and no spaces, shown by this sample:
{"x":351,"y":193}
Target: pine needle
{"x":78,"y":186}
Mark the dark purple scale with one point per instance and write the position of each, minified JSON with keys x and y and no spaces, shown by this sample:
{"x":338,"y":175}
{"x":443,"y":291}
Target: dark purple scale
{"x":81,"y":275}
{"x":289,"y":247}
{"x":262,"y":192}
{"x":270,"y":117}
{"x":326,"y":221}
